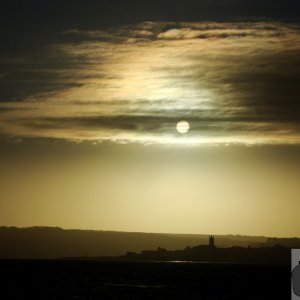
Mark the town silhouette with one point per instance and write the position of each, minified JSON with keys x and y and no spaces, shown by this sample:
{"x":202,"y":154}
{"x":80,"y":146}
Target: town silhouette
{"x":211,"y":253}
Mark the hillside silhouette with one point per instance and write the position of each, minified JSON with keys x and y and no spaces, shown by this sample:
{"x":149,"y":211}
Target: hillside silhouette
{"x":54,"y":242}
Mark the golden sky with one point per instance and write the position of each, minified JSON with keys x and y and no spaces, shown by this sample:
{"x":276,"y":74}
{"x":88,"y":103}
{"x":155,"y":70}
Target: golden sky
{"x":206,"y":189}
{"x":88,"y":129}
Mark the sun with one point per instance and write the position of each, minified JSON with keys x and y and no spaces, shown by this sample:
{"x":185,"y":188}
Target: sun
{"x":183,"y":127}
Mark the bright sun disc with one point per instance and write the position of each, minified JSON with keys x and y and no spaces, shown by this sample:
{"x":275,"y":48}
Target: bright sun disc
{"x":183,"y":127}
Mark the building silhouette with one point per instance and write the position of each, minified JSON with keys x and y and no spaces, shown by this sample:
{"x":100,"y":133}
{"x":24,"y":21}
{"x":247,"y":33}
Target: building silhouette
{"x":211,"y":241}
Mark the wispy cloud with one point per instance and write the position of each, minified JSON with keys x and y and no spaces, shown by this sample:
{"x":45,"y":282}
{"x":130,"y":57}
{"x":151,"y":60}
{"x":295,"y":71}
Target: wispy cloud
{"x":234,"y":82}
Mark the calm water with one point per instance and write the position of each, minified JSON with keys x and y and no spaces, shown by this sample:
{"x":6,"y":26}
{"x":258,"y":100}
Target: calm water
{"x":141,"y":280}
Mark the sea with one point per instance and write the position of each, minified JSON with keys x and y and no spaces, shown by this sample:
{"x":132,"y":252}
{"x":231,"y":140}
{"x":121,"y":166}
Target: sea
{"x":92,"y":279}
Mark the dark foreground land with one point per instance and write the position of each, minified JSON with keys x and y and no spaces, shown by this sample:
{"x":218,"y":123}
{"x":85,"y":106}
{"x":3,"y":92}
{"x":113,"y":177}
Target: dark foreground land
{"x":60,"y":279}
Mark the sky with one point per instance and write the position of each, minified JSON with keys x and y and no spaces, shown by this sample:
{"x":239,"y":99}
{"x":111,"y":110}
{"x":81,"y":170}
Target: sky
{"x":90,"y":96}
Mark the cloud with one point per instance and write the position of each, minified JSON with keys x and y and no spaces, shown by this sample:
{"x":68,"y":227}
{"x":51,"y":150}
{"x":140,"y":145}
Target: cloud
{"x":234,"y":82}
{"x":184,"y":33}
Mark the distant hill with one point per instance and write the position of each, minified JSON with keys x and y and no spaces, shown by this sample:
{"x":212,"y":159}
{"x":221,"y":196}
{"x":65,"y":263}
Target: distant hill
{"x":286,"y":242}
{"x":54,"y":242}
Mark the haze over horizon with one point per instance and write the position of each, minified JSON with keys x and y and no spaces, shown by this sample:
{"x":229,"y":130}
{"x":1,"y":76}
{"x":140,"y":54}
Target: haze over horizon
{"x":181,"y":234}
